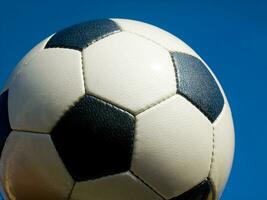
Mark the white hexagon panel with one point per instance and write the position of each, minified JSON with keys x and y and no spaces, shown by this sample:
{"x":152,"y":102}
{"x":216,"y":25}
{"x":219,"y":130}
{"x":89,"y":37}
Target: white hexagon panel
{"x":173,"y":146}
{"x":129,"y":71}
{"x":46,"y":86}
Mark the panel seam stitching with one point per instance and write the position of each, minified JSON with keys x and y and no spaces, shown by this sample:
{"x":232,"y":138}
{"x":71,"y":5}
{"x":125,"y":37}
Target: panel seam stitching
{"x":87,"y":45}
{"x":156,"y":103}
{"x":213,"y":151}
{"x":101,"y":37}
{"x":29,"y":131}
{"x":71,"y":190}
{"x":113,"y":105}
{"x":175,"y":72}
{"x":146,"y":184}
{"x":165,"y":48}
{"x":146,"y":38}
{"x":212,"y":162}
{"x":83,"y":71}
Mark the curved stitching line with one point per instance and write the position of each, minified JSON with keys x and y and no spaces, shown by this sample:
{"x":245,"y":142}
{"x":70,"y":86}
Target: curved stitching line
{"x":155,"y":103}
{"x":26,"y":131}
{"x":150,"y":187}
{"x":186,"y":97}
{"x":87,"y":45}
{"x":212,"y":162}
{"x":71,"y":190}
{"x":146,"y":38}
{"x":175,"y":71}
{"x":117,"y":105}
{"x":213,"y":189}
{"x":83,"y":71}
{"x":195,"y":105}
{"x":113,"y":105}
{"x":102,"y":37}
{"x":170,"y":51}
{"x":213,"y":150}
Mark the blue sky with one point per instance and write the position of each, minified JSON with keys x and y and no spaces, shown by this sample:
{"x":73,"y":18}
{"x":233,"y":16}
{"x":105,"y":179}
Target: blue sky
{"x":231,"y":36}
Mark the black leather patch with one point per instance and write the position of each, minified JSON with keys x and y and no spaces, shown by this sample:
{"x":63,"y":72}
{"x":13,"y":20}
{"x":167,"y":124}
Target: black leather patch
{"x":5,"y":128}
{"x":195,"y":82}
{"x":81,"y":35}
{"x":203,"y":191}
{"x":94,"y":139}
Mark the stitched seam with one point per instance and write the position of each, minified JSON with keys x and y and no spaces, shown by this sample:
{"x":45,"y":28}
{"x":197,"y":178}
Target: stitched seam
{"x":27,"y":131}
{"x":146,"y":38}
{"x":87,"y":45}
{"x":177,"y":75}
{"x":71,"y":190}
{"x":150,"y":187}
{"x":213,"y":151}
{"x":111,"y":104}
{"x":102,"y":36}
{"x":211,"y":162}
{"x":83,"y":71}
{"x":196,"y":106}
{"x":98,"y":99}
{"x":213,"y":189}
{"x":177,"y":78}
{"x":121,"y":108}
{"x":156,"y":103}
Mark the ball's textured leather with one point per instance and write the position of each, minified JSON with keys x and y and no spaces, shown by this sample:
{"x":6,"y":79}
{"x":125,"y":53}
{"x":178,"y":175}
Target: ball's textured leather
{"x":195,"y":82}
{"x":203,"y":191}
{"x":81,"y":35}
{"x":94,"y":139}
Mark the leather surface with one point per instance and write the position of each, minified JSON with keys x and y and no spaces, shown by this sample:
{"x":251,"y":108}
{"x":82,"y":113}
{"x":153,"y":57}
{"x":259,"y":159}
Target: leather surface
{"x":224,"y":144}
{"x":202,"y":191}
{"x":129,"y":71}
{"x":31,"y":168}
{"x":27,"y":58}
{"x":5,"y":128}
{"x":173,"y":147}
{"x":155,"y":34}
{"x":46,"y":87}
{"x":94,"y":139}
{"x":162,"y":38}
{"x":195,"y":82}
{"x":81,"y":35}
{"x":118,"y":187}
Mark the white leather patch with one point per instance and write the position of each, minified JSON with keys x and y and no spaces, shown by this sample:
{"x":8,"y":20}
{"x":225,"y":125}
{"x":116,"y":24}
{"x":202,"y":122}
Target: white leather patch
{"x":30,"y":55}
{"x":31,"y":168}
{"x":118,"y":187}
{"x":159,"y":36}
{"x":129,"y":71}
{"x":223,"y":149}
{"x":45,"y":88}
{"x":173,"y":146}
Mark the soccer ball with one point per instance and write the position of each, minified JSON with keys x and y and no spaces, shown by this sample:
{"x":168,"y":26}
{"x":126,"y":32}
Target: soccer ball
{"x":114,"y":109}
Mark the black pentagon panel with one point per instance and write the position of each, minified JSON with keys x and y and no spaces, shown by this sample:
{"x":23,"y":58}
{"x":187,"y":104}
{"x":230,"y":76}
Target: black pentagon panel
{"x":94,"y":139}
{"x":197,"y":84}
{"x":5,"y":128}
{"x":81,"y":35}
{"x":203,"y":191}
